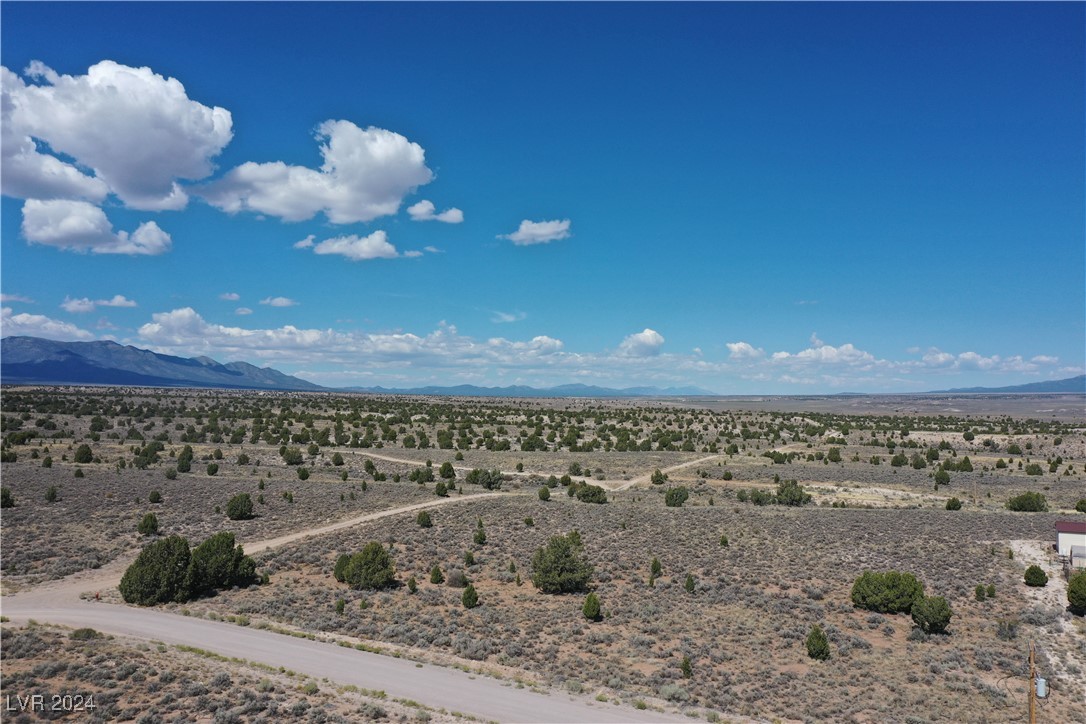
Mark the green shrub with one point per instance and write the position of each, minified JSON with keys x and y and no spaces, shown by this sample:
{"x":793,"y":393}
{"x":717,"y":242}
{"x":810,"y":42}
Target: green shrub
{"x":436,"y":576}
{"x":1076,"y":593}
{"x":932,"y":614}
{"x":339,"y":572}
{"x":889,"y":592}
{"x":942,"y":477}
{"x":240,"y":507}
{"x":591,"y":607}
{"x":218,"y":564}
{"x":371,"y":568}
{"x":675,"y":497}
{"x":1028,"y":503}
{"x":560,"y":567}
{"x":184,"y":459}
{"x":303,"y":473}
{"x":440,"y":490}
{"x":84,"y":634}
{"x":159,"y":574}
{"x":51,"y":494}
{"x":83,"y":454}
{"x":1080,"y":506}
{"x":155,"y":497}
{"x":545,"y":493}
{"x":655,"y":569}
{"x":1036,"y":577}
{"x":7,"y":500}
{"x":658,"y":478}
{"x":591,"y":494}
{"x":688,"y":584}
{"x":337,"y":459}
{"x":469,"y":598}
{"x":341,"y":604}
{"x":980,"y":592}
{"x":446,"y":472}
{"x":212,"y":468}
{"x":789,"y":492}
{"x":1034,"y":469}
{"x":423,"y":519}
{"x":818,"y":647}
{"x":47,"y":462}
{"x":953,"y":504}
{"x":148,"y":525}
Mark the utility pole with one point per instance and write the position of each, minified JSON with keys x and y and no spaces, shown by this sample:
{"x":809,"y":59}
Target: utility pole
{"x":1032,"y":687}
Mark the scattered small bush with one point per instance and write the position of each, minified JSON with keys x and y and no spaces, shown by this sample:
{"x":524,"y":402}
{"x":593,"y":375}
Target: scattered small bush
{"x":148,"y":525}
{"x":1036,"y":577}
{"x":818,"y":647}
{"x":932,"y":614}
{"x":1028,"y":503}
{"x":889,"y":592}
{"x":240,"y":507}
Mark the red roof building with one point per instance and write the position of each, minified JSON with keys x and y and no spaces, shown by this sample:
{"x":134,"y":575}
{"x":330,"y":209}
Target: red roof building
{"x":1069,"y":533}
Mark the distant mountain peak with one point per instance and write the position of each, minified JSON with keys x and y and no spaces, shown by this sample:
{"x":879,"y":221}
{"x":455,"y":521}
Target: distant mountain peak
{"x":30,"y":360}
{"x":1068,"y":385}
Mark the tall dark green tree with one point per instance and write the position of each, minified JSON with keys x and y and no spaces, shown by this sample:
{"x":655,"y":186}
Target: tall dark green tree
{"x":561,"y":567}
{"x":591,"y":607}
{"x":159,"y":574}
{"x":240,"y":507}
{"x":818,"y":647}
{"x":371,"y":568}
{"x":218,"y":564}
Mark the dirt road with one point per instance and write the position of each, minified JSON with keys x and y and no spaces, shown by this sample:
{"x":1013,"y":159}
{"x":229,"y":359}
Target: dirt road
{"x":437,"y":687}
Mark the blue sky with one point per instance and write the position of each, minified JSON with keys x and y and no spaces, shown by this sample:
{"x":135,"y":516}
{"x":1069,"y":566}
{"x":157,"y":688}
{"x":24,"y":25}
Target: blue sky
{"x":750,"y":198}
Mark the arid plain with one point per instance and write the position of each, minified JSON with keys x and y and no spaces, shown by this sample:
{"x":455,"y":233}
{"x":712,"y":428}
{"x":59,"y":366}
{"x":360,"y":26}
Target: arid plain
{"x":705,"y":606}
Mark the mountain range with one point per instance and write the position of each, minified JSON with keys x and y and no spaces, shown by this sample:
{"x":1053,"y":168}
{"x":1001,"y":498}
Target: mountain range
{"x":31,"y":360}
{"x":1071,"y":384}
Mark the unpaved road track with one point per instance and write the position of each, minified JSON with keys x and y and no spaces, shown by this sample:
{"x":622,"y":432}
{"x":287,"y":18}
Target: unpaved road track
{"x":434,"y":686}
{"x":642,"y":479}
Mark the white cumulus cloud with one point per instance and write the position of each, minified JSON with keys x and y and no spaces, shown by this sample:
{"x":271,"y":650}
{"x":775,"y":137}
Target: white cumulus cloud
{"x":366,"y":174}
{"x":76,"y":306}
{"x":359,"y":248}
{"x":744,"y":350}
{"x":229,"y":296}
{"x":242,"y":311}
{"x":306,"y":243}
{"x":138,"y":132}
{"x":16,"y":298}
{"x":37,"y":325}
{"x":425,"y":211}
{"x":81,"y":226}
{"x":279,"y":302}
{"x":642,"y":344}
{"x":538,"y":232}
